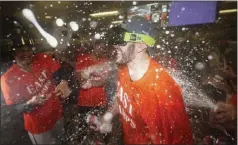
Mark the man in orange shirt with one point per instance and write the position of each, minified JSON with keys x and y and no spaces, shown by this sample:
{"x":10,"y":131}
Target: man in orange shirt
{"x":149,"y":101}
{"x":28,"y":87}
{"x":92,"y":96}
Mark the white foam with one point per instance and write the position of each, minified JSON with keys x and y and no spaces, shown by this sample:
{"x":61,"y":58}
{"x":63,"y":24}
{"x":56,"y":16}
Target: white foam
{"x":28,"y":14}
{"x":192,"y":94}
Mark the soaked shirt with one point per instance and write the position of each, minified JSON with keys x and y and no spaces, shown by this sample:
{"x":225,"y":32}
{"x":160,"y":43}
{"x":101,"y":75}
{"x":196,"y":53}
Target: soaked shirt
{"x":20,"y":86}
{"x":152,"y":109}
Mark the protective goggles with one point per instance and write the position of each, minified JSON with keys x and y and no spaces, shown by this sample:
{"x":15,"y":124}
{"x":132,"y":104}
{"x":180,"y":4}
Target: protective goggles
{"x":119,"y":36}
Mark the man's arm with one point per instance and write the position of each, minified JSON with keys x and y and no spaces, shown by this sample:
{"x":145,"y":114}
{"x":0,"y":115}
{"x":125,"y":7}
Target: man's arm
{"x":15,"y":101}
{"x":63,"y":73}
{"x":18,"y":108}
{"x":26,"y":106}
{"x":106,"y":120}
{"x":102,"y":67}
{"x":97,"y":75}
{"x":62,"y":80}
{"x":58,"y":70}
{"x":99,"y":83}
{"x":62,"y":76}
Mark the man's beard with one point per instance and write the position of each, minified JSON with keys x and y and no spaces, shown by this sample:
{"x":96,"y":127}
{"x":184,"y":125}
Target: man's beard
{"x":127,"y":56}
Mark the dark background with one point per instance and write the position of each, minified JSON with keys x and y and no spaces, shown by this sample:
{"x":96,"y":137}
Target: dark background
{"x":216,"y":36}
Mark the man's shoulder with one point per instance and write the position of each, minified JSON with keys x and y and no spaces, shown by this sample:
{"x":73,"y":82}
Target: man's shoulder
{"x":158,"y":68}
{"x":11,"y":74}
{"x":155,"y":64}
{"x":155,"y":70}
{"x":160,"y":74}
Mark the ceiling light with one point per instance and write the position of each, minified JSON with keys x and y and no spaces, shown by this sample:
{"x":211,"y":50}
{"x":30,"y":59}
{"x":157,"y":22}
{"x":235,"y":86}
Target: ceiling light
{"x":116,"y":22}
{"x":227,"y":11}
{"x":48,"y":17}
{"x":100,"y":14}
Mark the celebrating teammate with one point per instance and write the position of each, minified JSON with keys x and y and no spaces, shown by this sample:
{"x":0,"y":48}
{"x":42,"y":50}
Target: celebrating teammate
{"x":149,"y":101}
{"x":28,"y":87}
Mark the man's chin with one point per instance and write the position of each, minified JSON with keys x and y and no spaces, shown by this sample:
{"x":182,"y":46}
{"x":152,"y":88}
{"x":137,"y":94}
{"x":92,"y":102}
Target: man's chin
{"x":118,"y":61}
{"x":26,"y":62}
{"x":121,"y":62}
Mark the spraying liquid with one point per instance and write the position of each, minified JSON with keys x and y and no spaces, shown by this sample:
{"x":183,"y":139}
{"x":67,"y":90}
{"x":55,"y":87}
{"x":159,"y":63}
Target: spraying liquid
{"x":28,"y":14}
{"x":192,"y":95}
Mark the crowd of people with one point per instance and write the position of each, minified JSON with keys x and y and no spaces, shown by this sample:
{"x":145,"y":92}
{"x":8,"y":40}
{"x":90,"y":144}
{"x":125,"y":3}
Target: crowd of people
{"x":112,"y":92}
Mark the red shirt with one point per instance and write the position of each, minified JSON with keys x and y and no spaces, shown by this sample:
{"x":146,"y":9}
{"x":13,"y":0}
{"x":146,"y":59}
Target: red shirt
{"x":19,"y":86}
{"x":234,"y":100}
{"x":94,"y":96}
{"x":152,"y":108}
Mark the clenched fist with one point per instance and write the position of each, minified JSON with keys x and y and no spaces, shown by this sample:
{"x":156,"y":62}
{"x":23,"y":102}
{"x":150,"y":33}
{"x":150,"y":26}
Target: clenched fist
{"x":86,"y":84}
{"x":63,"y":90}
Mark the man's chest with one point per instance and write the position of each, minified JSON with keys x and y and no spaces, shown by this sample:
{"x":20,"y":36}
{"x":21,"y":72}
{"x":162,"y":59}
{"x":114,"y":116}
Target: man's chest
{"x":27,"y":84}
{"x":130,"y":100}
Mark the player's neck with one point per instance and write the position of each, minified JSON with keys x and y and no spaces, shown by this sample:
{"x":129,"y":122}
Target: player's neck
{"x":139,"y":66}
{"x":26,"y":68}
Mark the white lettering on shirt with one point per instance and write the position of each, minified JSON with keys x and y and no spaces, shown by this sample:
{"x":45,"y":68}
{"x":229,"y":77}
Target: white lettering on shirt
{"x":40,"y":85}
{"x":125,"y":107}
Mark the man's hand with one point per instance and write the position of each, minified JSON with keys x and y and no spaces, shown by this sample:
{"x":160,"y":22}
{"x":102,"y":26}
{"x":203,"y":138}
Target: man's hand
{"x":86,"y":84}
{"x":37,"y":100}
{"x":63,"y":90}
{"x":225,"y":112}
{"x":102,"y":124}
{"x":106,"y":123}
{"x":99,"y":71}
{"x":85,"y":74}
{"x":221,"y":84}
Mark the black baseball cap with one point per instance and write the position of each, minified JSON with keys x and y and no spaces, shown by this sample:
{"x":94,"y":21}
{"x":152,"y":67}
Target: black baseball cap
{"x":17,"y":38}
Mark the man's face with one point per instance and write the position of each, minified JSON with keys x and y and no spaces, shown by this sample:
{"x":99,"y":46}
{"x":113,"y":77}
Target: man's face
{"x":99,"y":48}
{"x":24,"y":57}
{"x":126,"y":53}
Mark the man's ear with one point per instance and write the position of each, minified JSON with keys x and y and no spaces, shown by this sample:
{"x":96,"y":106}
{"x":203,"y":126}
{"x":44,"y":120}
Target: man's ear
{"x":140,"y":47}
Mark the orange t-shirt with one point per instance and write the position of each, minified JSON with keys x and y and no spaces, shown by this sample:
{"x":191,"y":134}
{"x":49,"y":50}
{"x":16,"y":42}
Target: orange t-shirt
{"x":94,"y":96}
{"x":152,"y":109}
{"x":19,"y":86}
